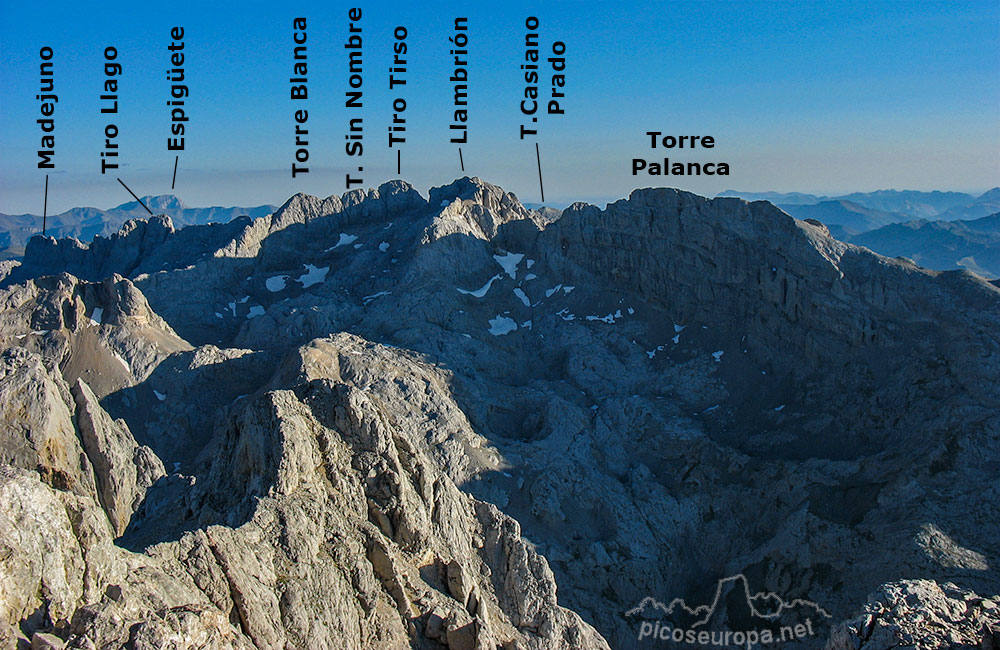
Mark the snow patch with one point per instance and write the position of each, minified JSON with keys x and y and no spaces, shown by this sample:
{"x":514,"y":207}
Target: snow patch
{"x":679,"y":328}
{"x":275,"y":284}
{"x":502,"y":325}
{"x":160,"y":396}
{"x":255,"y":311}
{"x":718,"y":355}
{"x":568,"y":288}
{"x":529,"y":264}
{"x":509,"y":262}
{"x":313,"y":275}
{"x":565,"y":315}
{"x":124,"y":363}
{"x":610,"y":318}
{"x":96,"y":316}
{"x":344,"y":240}
{"x":522,"y":296}
{"x":778,"y":408}
{"x":480,"y":292}
{"x":374,"y":296}
{"x":530,"y":276}
{"x":549,"y":292}
{"x":384,"y":246}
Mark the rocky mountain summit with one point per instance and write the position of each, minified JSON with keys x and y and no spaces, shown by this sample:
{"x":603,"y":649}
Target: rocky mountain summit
{"x":384,"y":421}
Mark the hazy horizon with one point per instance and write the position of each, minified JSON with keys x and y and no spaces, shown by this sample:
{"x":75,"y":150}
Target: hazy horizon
{"x":556,"y":202}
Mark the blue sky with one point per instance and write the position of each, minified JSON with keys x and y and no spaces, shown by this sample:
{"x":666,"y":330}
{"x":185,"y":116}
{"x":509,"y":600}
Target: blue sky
{"x":803,"y":96}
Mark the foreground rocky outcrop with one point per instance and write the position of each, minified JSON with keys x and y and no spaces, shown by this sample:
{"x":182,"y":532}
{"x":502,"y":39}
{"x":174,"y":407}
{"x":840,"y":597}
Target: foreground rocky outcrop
{"x":921,"y":614}
{"x":381,"y":421}
{"x":341,"y":531}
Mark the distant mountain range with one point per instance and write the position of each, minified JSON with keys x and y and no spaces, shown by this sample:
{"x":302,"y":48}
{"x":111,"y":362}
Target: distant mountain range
{"x":972,"y":244}
{"x":908,"y":204}
{"x":85,"y":223}
{"x":844,"y":218}
{"x":937,"y":230}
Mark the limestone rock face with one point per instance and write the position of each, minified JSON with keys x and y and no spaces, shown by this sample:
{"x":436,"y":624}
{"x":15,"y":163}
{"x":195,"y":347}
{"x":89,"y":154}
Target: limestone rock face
{"x":380,"y":421}
{"x":38,"y":432}
{"x":123,"y":469}
{"x":472,"y":207}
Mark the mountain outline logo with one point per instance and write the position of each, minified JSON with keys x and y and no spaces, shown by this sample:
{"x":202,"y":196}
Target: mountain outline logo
{"x":706,"y":611}
{"x":763,"y":617}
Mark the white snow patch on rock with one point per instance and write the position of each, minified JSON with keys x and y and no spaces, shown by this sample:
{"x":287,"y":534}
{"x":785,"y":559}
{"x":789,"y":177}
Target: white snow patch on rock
{"x":375,"y":296}
{"x":509,"y":262}
{"x":384,"y":246}
{"x":313,"y":275}
{"x":255,"y":311}
{"x":275,"y":284}
{"x":481,"y":291}
{"x":124,"y":363}
{"x":160,"y":396}
{"x":610,"y":318}
{"x":502,"y":325}
{"x":549,"y":292}
{"x":522,"y":296}
{"x":96,"y":316}
{"x":344,"y":240}
{"x":718,"y":355}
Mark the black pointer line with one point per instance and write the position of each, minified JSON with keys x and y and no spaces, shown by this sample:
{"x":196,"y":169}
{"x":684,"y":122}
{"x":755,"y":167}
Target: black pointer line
{"x":45,"y":208}
{"x":462,"y":162}
{"x":399,"y":154}
{"x":174,"y":182}
{"x":538,"y":157}
{"x":135,"y":197}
